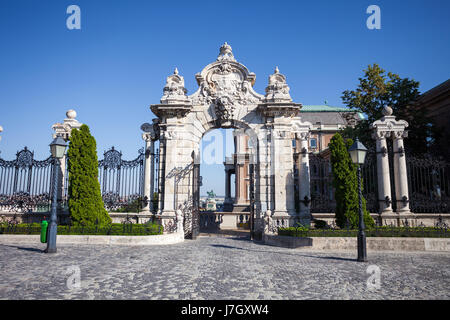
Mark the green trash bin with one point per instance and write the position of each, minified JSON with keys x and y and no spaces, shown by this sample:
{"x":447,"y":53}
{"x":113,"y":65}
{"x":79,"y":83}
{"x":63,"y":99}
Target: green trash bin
{"x":44,"y":225}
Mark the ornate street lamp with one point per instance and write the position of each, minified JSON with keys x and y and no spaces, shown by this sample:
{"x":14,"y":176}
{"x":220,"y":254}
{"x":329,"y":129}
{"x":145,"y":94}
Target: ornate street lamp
{"x":57,"y":149}
{"x":358,"y":154}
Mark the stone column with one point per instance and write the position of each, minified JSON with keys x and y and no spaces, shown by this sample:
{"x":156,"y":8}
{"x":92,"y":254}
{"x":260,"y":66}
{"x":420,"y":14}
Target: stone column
{"x":388,"y":126}
{"x":304,"y":180}
{"x":384,"y":181}
{"x":400,"y":172}
{"x":64,"y":130}
{"x":283,"y":163}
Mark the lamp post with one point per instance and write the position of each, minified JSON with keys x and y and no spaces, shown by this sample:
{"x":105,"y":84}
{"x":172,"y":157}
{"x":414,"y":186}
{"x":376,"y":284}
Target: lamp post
{"x":57,"y":149}
{"x":358,"y":154}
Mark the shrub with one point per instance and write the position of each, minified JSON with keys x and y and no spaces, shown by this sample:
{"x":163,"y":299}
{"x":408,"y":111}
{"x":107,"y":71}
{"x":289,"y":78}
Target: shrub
{"x":346,"y":185}
{"x":85,"y":201}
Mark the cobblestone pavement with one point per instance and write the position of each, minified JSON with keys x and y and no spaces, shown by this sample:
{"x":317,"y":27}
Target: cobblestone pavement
{"x":216,"y":268}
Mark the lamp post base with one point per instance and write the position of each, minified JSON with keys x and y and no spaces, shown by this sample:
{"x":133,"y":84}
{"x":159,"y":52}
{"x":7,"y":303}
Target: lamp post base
{"x":362,"y":250}
{"x":51,"y":238}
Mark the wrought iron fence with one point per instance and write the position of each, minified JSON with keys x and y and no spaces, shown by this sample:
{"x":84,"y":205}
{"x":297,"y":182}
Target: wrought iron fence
{"x":429,"y":184}
{"x":121,"y":181}
{"x":25,"y":183}
{"x":321,"y":184}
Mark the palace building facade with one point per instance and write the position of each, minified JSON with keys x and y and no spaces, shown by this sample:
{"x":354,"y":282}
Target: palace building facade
{"x":326,"y":120}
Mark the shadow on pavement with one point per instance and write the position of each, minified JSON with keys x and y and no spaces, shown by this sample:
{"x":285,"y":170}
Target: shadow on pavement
{"x":283,"y":253}
{"x":25,"y":249}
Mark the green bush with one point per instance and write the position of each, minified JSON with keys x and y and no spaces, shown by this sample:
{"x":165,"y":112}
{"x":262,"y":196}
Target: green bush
{"x":345,"y":184}
{"x":412,"y":232}
{"x":112,"y":229}
{"x":85,"y":201}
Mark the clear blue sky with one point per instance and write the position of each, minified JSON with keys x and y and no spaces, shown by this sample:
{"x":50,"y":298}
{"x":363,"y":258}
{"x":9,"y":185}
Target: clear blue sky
{"x":112,"y":69}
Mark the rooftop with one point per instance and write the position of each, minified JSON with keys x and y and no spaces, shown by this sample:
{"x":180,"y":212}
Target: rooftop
{"x":327,"y":108}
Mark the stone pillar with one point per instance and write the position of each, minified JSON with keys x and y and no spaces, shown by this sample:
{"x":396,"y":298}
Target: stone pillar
{"x":400,"y":172}
{"x":384,"y":183}
{"x":64,"y":130}
{"x":385,"y":127}
{"x":283,"y":163}
{"x":304,"y":180}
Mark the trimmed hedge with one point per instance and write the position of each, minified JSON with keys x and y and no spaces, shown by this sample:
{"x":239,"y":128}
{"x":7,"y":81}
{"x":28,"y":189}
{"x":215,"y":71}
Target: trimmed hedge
{"x":115,"y":229}
{"x":413,"y":232}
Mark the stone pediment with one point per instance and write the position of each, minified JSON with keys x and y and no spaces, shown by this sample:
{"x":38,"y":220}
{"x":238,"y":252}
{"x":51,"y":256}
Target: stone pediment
{"x":226,"y":93}
{"x":225,"y":81}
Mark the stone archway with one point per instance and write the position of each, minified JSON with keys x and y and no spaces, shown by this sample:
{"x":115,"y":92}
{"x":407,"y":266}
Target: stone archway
{"x":226,"y":99}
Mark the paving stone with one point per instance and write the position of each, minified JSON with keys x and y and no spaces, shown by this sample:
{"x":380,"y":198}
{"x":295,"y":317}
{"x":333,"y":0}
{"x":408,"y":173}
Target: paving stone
{"x":218,"y":268}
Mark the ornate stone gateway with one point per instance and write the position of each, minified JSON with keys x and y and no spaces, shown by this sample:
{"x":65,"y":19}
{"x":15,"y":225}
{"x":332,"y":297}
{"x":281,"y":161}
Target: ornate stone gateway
{"x":226,"y":99}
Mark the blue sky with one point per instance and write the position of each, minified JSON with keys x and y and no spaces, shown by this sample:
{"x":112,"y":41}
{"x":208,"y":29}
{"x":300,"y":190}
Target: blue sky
{"x":112,"y":69}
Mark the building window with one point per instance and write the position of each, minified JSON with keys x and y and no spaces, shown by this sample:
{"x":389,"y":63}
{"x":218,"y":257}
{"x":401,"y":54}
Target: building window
{"x":313,"y":143}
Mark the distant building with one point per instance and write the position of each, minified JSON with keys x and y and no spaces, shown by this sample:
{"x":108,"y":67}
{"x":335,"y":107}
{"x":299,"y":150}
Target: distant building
{"x":437,"y":103}
{"x":326,"y":120}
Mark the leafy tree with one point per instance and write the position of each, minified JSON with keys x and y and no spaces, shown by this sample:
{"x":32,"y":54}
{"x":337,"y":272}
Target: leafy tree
{"x":378,"y":89}
{"x":85,"y":201}
{"x":346,"y":185}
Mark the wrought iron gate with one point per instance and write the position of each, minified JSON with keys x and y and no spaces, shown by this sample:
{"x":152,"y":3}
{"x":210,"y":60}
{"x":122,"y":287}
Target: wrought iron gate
{"x":196,"y":183}
{"x":25,"y":183}
{"x":121,"y":181}
{"x":252,"y":199}
{"x":322,"y":193}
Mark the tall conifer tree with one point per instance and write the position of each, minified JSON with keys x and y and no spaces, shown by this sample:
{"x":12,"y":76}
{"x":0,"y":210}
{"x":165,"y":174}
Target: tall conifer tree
{"x":85,"y":201}
{"x":346,"y":185}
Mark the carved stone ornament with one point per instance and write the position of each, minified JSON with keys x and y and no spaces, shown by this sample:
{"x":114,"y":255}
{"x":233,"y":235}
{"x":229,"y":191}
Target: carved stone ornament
{"x":64,"y":129}
{"x":174,"y":91}
{"x":389,"y":126}
{"x":302,"y":129}
{"x":151,"y":131}
{"x":224,"y":107}
{"x":277,"y":90}
{"x":225,"y":78}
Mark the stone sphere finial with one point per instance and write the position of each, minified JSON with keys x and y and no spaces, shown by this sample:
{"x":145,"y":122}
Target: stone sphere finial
{"x":71,"y":114}
{"x":387,"y":111}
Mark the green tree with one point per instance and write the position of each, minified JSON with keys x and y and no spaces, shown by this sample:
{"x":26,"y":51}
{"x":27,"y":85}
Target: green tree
{"x":85,"y":201}
{"x":378,"y":89}
{"x":346,"y":185}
